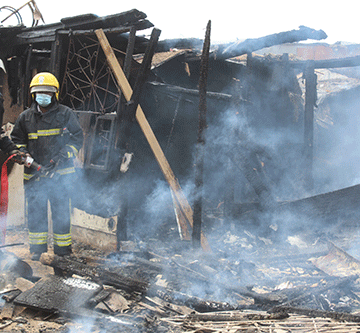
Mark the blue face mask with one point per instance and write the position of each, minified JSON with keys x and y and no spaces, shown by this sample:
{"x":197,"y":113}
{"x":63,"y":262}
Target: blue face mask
{"x":43,"y":100}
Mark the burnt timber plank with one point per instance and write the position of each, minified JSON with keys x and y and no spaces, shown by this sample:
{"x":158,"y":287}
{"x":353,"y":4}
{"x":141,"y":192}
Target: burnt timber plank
{"x":81,"y":24}
{"x":69,"y":266}
{"x":55,"y":293}
{"x":253,"y":44}
{"x":94,"y":22}
{"x":327,"y":63}
{"x":330,"y":206}
{"x":340,"y":316}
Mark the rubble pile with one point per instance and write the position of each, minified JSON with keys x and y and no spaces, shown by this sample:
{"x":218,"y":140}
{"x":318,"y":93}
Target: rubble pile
{"x":169,"y":287}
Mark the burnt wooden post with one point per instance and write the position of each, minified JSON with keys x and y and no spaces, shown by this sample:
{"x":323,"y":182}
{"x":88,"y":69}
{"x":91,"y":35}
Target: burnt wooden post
{"x":199,"y":164}
{"x":129,"y":52}
{"x":310,"y":102}
{"x":28,"y":76}
{"x":128,"y":115}
{"x":56,"y":47}
{"x":123,"y":128}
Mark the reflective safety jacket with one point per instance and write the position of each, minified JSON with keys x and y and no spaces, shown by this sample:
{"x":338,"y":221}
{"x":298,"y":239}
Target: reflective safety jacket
{"x":43,"y":135}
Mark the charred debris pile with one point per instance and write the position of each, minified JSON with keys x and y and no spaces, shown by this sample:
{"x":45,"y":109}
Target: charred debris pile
{"x":250,"y":285}
{"x":282,"y":254}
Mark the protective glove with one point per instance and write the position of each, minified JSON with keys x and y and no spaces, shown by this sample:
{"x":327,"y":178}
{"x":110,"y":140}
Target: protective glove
{"x":64,"y":154}
{"x":49,"y":169}
{"x":19,"y":157}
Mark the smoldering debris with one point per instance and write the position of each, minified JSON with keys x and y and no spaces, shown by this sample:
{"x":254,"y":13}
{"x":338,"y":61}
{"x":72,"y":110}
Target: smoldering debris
{"x":163,"y":287}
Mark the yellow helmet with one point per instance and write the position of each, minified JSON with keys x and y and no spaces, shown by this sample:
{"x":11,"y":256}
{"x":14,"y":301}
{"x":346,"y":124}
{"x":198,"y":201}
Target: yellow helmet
{"x":44,"y":82}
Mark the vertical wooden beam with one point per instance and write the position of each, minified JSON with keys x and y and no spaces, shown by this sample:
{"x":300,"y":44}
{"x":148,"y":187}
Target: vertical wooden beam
{"x":55,"y":55}
{"x":129,"y":51}
{"x":200,"y":148}
{"x":149,"y":134}
{"x":27,"y":98}
{"x":124,"y":120}
{"x":122,"y":132}
{"x":310,"y":102}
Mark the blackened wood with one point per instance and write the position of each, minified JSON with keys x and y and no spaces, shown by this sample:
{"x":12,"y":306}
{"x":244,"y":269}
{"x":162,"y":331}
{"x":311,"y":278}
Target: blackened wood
{"x":326,"y":63}
{"x":123,"y":282}
{"x":202,"y":305}
{"x":335,"y":284}
{"x":149,"y":134}
{"x":102,"y":295}
{"x":127,"y":116}
{"x":69,"y":266}
{"x":10,"y":245}
{"x":251,"y":45}
{"x":142,"y":75}
{"x":234,"y":316}
{"x":199,"y":164}
{"x":55,"y":293}
{"x":330,"y":207}
{"x":121,"y":227}
{"x":310,"y":103}
{"x":145,"y":24}
{"x":196,"y":303}
{"x":27,"y":97}
{"x":329,"y":63}
{"x":129,"y":52}
{"x":341,"y":316}
{"x":11,"y":295}
{"x":94,"y":22}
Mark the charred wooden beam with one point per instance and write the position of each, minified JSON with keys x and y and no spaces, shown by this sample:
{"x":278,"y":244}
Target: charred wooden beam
{"x":327,"y":63}
{"x":118,"y":30}
{"x":10,"y":245}
{"x":129,"y":52}
{"x":330,"y":207}
{"x":123,"y":135}
{"x":68,"y":266}
{"x":229,"y":316}
{"x":133,"y":103}
{"x":90,"y":21}
{"x":200,"y":147}
{"x":310,"y":103}
{"x":335,"y":284}
{"x":251,"y":45}
{"x":338,"y":63}
{"x":340,"y":316}
{"x":196,"y":303}
{"x":54,"y":293}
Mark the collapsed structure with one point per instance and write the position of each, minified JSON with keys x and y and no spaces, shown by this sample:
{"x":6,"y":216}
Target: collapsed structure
{"x":259,"y":160}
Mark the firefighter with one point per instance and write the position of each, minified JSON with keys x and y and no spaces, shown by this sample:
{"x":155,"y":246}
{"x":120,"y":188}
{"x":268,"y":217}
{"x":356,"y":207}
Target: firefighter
{"x":51,"y":134}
